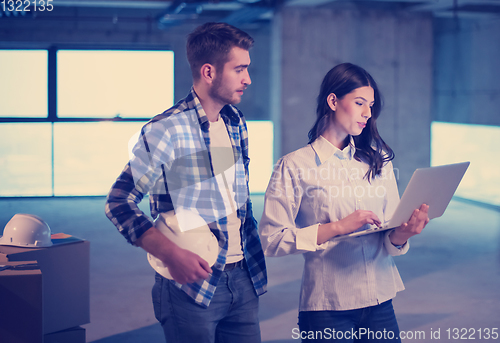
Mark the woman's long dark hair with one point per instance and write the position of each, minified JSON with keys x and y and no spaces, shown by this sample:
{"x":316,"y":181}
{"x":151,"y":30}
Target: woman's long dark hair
{"x":370,"y":147}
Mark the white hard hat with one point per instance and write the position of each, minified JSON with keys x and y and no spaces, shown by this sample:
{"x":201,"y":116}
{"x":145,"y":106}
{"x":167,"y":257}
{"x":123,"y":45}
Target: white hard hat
{"x":26,"y":230}
{"x":189,"y":231}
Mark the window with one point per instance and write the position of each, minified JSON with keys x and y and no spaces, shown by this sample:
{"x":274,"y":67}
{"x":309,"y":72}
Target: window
{"x":452,"y":143}
{"x":79,"y":146}
{"x":107,"y":84}
{"x":261,"y":138}
{"x":26,"y":159}
{"x":23,"y":83}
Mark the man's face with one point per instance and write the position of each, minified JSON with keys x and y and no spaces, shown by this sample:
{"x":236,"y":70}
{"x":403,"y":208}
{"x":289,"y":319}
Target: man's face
{"x":228,"y":85}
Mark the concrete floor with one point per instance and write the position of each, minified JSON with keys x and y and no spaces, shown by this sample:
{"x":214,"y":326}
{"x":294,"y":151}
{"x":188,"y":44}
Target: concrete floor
{"x":451,"y":274}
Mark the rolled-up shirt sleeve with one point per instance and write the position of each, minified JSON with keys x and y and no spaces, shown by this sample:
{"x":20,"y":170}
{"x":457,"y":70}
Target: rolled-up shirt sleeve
{"x":279,"y":234}
{"x":392,"y":249}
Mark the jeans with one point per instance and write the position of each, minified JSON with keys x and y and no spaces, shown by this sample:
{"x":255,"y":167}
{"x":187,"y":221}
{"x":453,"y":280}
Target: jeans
{"x":370,"y":324}
{"x":232,"y":315}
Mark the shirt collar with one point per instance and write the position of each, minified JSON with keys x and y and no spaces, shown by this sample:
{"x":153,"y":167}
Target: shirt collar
{"x":325,"y":150}
{"x":228,"y":112}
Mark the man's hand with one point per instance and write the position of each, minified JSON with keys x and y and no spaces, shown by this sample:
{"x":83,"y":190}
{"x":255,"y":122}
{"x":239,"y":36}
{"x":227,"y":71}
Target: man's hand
{"x":187,"y":267}
{"x":418,"y":220}
{"x":183,"y":265}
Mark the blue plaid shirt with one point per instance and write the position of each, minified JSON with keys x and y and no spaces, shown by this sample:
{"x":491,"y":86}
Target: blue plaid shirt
{"x":171,"y":161}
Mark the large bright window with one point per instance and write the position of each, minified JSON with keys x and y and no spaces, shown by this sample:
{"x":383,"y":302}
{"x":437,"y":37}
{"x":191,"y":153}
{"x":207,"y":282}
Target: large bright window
{"x":261,"y":140}
{"x":107,"y":84}
{"x":451,"y":143}
{"x":66,"y":116}
{"x":69,"y":118}
{"x":25,"y":159}
{"x":23,"y":83}
{"x":92,"y":167}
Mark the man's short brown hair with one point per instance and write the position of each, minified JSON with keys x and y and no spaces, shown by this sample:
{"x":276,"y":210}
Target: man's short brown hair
{"x":211,"y":43}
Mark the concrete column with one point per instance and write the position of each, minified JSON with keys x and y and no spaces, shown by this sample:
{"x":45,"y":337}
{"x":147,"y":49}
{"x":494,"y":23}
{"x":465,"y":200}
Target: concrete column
{"x":395,"y":47}
{"x":467,"y":70}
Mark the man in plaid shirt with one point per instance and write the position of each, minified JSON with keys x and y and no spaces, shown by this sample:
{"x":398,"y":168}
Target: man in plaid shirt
{"x":195,"y":156}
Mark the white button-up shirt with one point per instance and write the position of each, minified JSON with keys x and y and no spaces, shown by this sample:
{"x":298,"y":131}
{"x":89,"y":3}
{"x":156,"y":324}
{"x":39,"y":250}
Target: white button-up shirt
{"x":318,"y":184}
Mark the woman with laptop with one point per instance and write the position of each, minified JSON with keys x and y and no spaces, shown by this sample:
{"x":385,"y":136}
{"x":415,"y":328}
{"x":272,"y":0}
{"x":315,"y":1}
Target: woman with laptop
{"x":342,"y":181}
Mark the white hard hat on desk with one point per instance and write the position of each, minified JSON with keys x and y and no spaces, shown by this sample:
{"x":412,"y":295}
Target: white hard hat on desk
{"x":26,"y":230}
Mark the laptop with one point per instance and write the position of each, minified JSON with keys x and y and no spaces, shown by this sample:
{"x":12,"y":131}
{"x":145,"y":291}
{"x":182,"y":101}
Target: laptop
{"x":433,"y":186}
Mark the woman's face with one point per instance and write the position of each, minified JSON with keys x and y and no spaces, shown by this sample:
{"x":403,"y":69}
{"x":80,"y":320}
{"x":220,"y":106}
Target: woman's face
{"x":352,"y":111}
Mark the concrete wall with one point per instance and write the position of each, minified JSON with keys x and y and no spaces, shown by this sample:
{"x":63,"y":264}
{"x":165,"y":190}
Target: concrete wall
{"x":396,"y":47}
{"x":467,"y":71}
